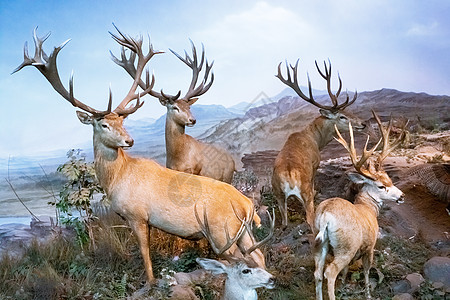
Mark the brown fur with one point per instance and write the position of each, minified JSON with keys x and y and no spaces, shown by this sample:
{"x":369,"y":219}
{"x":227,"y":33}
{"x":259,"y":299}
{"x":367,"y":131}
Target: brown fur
{"x":298,"y":160}
{"x":186,"y":154}
{"x":147,"y":194}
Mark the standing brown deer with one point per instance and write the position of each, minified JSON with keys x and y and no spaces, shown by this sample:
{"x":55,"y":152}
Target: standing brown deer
{"x":140,"y":190}
{"x":185,"y":153}
{"x":296,"y":165}
{"x":349,"y":230}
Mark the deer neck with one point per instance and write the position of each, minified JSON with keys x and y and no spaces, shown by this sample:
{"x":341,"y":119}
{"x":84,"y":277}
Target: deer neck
{"x":233,"y":291}
{"x":321,"y":130}
{"x":174,"y":134}
{"x":108,"y":163}
{"x":364,"y":198}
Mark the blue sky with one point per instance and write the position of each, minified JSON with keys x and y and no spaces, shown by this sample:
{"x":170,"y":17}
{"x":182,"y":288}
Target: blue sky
{"x":373,"y":44}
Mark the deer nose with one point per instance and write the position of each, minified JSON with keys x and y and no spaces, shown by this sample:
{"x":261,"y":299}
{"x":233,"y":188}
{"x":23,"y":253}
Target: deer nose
{"x":129,"y":142}
{"x":193,"y":121}
{"x":401,"y":199}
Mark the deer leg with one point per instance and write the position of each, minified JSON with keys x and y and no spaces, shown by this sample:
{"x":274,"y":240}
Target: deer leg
{"x":309,"y":210}
{"x":333,"y":270}
{"x":141,"y":229}
{"x":344,"y":276}
{"x":282,"y":206}
{"x":319,"y":259}
{"x":367,"y":263}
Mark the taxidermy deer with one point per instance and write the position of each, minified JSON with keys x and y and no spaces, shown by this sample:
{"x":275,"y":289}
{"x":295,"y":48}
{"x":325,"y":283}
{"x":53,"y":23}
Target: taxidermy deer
{"x":348,"y":230}
{"x":243,"y":275}
{"x":140,"y":190}
{"x":185,"y":153}
{"x":296,"y":165}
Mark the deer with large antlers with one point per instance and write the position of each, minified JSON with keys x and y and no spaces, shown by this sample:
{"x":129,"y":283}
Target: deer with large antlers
{"x":243,"y":275}
{"x":350,"y":230}
{"x":296,"y":164}
{"x":140,"y":190}
{"x":185,"y":153}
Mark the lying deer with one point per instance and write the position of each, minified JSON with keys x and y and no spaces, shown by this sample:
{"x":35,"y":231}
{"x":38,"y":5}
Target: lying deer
{"x":185,"y":153}
{"x":140,"y":190}
{"x":243,"y":276}
{"x":349,"y":230}
{"x":296,"y":165}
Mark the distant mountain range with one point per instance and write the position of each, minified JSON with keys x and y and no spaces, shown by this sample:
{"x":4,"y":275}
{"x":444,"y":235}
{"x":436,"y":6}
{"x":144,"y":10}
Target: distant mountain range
{"x":262,"y":124}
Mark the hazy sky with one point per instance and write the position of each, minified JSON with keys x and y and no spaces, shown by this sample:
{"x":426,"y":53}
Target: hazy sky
{"x":401,"y":44}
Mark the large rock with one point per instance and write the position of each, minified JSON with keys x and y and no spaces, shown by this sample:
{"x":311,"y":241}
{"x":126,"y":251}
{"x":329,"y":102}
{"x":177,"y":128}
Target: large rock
{"x":437,"y":269}
{"x":415,"y":280}
{"x":404,"y":296}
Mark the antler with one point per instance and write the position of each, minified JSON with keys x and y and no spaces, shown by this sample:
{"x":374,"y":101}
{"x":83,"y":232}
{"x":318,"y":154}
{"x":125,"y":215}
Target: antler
{"x":358,"y":164}
{"x":387,"y":146}
{"x":48,"y":67}
{"x":334,"y":97}
{"x":327,"y":76}
{"x":196,"y":68}
{"x":207,"y":232}
{"x":135,"y":45}
{"x":128,"y":65}
{"x":249,"y":228}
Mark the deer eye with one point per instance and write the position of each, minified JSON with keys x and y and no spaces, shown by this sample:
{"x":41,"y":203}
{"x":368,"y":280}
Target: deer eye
{"x":343,"y":117}
{"x":176,"y":108}
{"x":246,"y":271}
{"x":104,"y":126}
{"x":381,"y":187}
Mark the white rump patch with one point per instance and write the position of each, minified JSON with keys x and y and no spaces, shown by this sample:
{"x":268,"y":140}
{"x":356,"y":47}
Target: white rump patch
{"x":292,"y":192}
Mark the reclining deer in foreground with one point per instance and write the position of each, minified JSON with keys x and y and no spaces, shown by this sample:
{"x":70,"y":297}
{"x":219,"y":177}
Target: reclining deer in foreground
{"x":349,"y":230}
{"x":185,"y":153}
{"x":296,"y":165}
{"x":140,"y":190}
{"x":243,"y":277}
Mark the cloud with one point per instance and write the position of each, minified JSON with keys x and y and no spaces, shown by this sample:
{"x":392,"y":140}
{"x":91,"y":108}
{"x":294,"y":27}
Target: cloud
{"x":423,"y":30}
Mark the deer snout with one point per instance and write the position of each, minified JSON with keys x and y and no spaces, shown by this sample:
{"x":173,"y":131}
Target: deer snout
{"x":193,"y":121}
{"x":271,"y":283}
{"x":129,"y":142}
{"x":401,"y":199}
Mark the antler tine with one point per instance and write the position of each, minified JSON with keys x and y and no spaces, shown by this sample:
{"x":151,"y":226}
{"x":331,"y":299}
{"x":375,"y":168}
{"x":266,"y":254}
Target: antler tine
{"x":387,"y":146}
{"x":334,"y":97}
{"x":196,"y":67}
{"x":294,"y":85}
{"x":267,"y":238}
{"x":135,"y":45}
{"x":204,"y":226}
{"x":48,"y":67}
{"x":358,"y":164}
{"x":249,"y":228}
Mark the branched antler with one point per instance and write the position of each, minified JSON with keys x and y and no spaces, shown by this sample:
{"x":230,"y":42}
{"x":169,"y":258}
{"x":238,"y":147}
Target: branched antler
{"x":292,"y":82}
{"x":357,"y":163}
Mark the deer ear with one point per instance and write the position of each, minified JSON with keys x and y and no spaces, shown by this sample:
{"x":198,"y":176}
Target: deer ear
{"x":84,"y":118}
{"x":192,"y":101}
{"x":357,"y":178}
{"x":326,"y":113}
{"x":212,"y":265}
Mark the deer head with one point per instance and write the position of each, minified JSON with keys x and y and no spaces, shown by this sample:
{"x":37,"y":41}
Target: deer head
{"x":335,"y":112}
{"x":107,"y":124}
{"x":243,"y":275}
{"x":371,"y":176}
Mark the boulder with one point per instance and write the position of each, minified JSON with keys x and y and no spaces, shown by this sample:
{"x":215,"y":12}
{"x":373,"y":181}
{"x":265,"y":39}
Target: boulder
{"x":415,"y":280}
{"x":403,"y":296}
{"x":437,"y":269}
